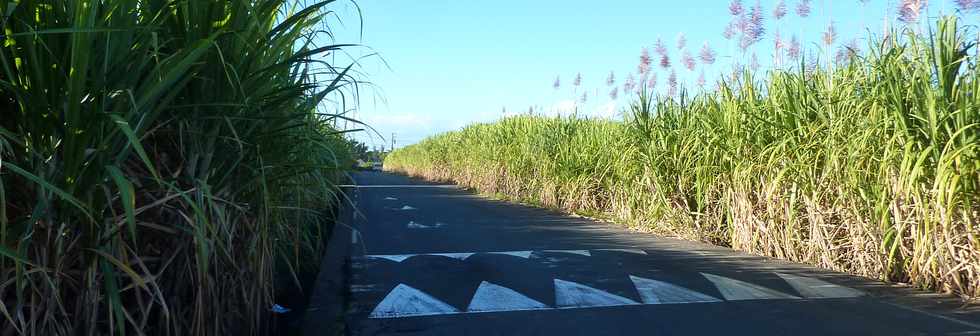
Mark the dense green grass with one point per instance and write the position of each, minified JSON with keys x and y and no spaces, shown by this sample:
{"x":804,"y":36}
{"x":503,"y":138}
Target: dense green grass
{"x":872,"y":167}
{"x":160,"y":160}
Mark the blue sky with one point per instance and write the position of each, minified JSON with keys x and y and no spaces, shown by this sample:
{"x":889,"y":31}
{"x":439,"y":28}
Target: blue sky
{"x":447,"y":63}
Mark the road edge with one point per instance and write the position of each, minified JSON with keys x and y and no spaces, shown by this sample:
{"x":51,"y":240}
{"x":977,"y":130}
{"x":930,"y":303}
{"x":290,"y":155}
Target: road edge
{"x":325,"y":313}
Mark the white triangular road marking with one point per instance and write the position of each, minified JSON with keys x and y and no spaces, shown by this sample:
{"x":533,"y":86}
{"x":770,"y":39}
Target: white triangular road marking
{"x":460,"y":256}
{"x":575,"y":295}
{"x":519,"y":254}
{"x":494,"y":298}
{"x":579,"y":252}
{"x":733,"y":289}
{"x":816,"y":288}
{"x":659,"y":292}
{"x":408,"y":207}
{"x":395,"y":257}
{"x":407,"y":301}
{"x":634,"y":251}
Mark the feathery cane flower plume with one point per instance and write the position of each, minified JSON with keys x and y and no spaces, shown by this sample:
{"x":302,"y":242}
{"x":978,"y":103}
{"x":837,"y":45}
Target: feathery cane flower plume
{"x":681,"y":41}
{"x":754,"y":62}
{"x":557,"y":83}
{"x":707,"y":54}
{"x":730,"y":30}
{"x":672,"y":83}
{"x":757,"y":18}
{"x":645,"y":61}
{"x":830,"y":35}
{"x":614,"y":93}
{"x":688,"y":61}
{"x":629,"y":84}
{"x":611,"y":80}
{"x":803,"y":8}
{"x":701,"y":79}
{"x":652,"y":81}
{"x":735,"y":8}
{"x":910,"y":10}
{"x":968,"y":5}
{"x":847,"y":51}
{"x":793,"y":50}
{"x":585,"y":96}
{"x":813,"y":62}
{"x":664,"y":62}
{"x":659,"y":47}
{"x":578,"y":80}
{"x":779,"y":11}
{"x":778,"y":43}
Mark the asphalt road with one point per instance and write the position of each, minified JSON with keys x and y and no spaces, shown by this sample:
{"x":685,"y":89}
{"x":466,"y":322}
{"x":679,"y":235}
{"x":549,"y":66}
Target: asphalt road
{"x":432,"y":259}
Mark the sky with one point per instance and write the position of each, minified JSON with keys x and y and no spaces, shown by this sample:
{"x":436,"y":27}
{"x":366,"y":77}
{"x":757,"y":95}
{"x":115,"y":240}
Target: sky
{"x":438,"y":65}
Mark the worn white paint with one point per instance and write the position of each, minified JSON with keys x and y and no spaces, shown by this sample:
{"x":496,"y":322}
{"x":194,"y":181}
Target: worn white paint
{"x":734,"y":290}
{"x":519,"y":254}
{"x":408,"y":208}
{"x":415,"y":225}
{"x":390,"y":198}
{"x":633,"y":251}
{"x":816,"y":288}
{"x":459,"y":256}
{"x":659,"y":292}
{"x":570,"y":294}
{"x":490,"y":297}
{"x":579,"y":252}
{"x":404,"y":301}
{"x":393,"y":257}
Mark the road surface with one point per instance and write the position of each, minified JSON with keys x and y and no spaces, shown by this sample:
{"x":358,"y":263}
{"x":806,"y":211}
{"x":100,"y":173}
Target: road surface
{"x":432,"y":259}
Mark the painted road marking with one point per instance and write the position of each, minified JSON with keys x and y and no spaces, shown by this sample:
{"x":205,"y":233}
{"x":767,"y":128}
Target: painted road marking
{"x":458,"y":256}
{"x":396,"y":258}
{"x":406,"y":301}
{"x":519,"y":254}
{"x":634,"y":251}
{"x":490,"y":297}
{"x":390,"y":199}
{"x":734,"y":290}
{"x":408,"y":208}
{"x":659,"y":292}
{"x":575,"y":295}
{"x":816,"y":288}
{"x":414,"y":225}
{"x":579,"y":252}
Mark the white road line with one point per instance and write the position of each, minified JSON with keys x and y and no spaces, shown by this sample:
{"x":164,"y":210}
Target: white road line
{"x":394,"y":257}
{"x":390,"y":199}
{"x":414,"y":225}
{"x":519,"y":254}
{"x":734,"y":290}
{"x":408,"y":208}
{"x":816,"y":288}
{"x":579,"y":252}
{"x":406,"y":301}
{"x":459,"y":256}
{"x":659,"y":292}
{"x":634,"y":251}
{"x":570,"y":294}
{"x":490,"y":297}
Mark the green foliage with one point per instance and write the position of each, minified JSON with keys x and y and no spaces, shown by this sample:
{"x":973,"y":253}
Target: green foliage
{"x":160,"y":159}
{"x":872,"y":167}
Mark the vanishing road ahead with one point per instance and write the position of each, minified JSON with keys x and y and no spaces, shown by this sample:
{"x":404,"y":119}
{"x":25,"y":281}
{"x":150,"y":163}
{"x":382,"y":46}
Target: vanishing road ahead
{"x":436,"y":260}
